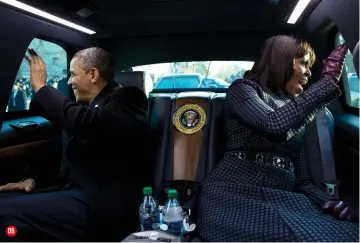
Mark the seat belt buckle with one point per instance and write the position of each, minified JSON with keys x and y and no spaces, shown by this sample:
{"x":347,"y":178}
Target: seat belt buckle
{"x":332,"y":188}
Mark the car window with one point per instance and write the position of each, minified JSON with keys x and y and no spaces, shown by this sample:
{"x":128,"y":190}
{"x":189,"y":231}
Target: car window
{"x":165,"y":83}
{"x":192,"y":75}
{"x":216,"y":83}
{"x":55,"y":58}
{"x":178,"y":82}
{"x":204,"y":84}
{"x":349,"y":77}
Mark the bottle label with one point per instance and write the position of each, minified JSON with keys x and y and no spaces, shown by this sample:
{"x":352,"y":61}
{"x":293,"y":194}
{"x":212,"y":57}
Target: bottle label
{"x":174,"y":227}
{"x":146,"y":224}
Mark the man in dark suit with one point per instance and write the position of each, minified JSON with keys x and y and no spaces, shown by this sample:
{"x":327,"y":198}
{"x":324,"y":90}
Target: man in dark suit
{"x":99,"y":187}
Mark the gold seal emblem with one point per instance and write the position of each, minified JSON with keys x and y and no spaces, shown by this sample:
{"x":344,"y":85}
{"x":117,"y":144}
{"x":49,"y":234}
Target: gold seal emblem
{"x":189,"y":118}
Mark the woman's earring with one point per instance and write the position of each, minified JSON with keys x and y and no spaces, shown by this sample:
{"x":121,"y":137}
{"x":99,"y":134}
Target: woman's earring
{"x":294,"y":64}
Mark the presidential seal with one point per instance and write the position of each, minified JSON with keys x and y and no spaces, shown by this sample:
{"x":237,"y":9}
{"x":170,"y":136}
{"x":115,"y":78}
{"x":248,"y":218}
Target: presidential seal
{"x":189,"y":118}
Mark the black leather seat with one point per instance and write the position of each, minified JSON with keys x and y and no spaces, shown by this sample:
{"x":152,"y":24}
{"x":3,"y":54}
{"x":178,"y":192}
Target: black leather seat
{"x":216,"y":139}
{"x":181,"y":160}
{"x":160,"y":119}
{"x":139,"y":79}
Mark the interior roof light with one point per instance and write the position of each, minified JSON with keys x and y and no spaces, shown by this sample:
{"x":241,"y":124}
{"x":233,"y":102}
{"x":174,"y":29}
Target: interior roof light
{"x":298,"y":10}
{"x":46,"y":15}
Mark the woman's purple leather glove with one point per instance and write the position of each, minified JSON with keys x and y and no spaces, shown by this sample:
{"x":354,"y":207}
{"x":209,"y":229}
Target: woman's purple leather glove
{"x":341,"y":210}
{"x":333,"y":65}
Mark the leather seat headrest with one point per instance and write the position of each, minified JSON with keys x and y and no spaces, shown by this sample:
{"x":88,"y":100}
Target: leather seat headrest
{"x":139,"y":79}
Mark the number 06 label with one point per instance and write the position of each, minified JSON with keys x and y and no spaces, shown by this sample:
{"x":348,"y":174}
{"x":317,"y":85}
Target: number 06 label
{"x":11,"y":231}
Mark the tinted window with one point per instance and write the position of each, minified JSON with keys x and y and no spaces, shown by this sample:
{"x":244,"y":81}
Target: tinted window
{"x":56,"y":63}
{"x":205,"y":74}
{"x":216,"y":83}
{"x":181,"y":82}
{"x":349,"y":77}
{"x":165,"y":83}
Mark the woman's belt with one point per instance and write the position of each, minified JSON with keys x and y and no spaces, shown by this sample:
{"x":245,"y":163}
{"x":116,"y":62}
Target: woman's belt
{"x":282,"y":162}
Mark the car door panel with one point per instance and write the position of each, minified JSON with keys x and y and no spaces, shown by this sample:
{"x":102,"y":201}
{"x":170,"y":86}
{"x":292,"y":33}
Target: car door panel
{"x":37,"y":150}
{"x":347,"y":150}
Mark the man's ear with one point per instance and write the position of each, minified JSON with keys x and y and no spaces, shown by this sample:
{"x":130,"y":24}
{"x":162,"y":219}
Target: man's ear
{"x":94,"y":75}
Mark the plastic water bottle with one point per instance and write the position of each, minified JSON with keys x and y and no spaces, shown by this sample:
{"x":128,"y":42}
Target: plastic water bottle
{"x":173,"y":214}
{"x":148,"y":210}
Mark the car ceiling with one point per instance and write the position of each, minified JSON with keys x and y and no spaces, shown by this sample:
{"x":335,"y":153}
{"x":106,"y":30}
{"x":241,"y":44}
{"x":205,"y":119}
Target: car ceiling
{"x":157,"y":17}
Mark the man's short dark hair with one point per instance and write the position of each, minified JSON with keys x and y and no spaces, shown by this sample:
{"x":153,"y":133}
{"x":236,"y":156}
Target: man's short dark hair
{"x":274,"y":67}
{"x":98,"y":58}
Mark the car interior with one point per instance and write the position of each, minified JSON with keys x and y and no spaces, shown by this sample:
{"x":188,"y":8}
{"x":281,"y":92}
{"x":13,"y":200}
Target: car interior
{"x":151,"y":38}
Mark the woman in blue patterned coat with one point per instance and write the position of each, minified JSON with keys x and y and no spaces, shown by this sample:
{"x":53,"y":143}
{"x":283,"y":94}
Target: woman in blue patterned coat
{"x":261,"y":190}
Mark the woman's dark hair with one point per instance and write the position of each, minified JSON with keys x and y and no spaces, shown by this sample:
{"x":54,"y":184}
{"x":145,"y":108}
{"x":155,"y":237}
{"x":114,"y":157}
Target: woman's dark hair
{"x":246,"y":74}
{"x":274,"y":67}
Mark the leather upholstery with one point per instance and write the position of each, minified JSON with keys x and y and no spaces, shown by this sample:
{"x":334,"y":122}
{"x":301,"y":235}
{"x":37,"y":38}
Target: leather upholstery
{"x":201,"y":171}
{"x":160,"y":118}
{"x":333,"y":65}
{"x":162,"y":133}
{"x":139,"y":79}
{"x":216,"y":139}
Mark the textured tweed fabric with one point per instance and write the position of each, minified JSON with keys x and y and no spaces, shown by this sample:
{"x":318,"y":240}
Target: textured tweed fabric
{"x":248,"y":200}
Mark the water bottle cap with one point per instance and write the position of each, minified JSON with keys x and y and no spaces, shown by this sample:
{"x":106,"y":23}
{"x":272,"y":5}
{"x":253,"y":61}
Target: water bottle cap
{"x":164,"y":227}
{"x":147,"y":190}
{"x":172,"y":193}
